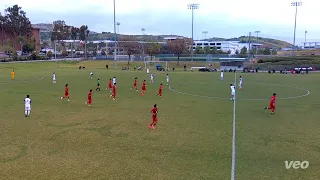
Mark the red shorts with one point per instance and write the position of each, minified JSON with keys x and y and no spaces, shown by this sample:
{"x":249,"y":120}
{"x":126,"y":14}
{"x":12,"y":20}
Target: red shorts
{"x":144,"y":89}
{"x":134,"y":85}
{"x":89,"y":101}
{"x":110,"y":87}
{"x":272,"y":106}
{"x":160,"y":92}
{"x":66,"y":94}
{"x":154,"y":119}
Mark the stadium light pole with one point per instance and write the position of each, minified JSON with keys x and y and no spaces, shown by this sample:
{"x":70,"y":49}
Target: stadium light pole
{"x":115,"y":33}
{"x":296,"y":4}
{"x":192,"y":7}
{"x":257,"y":32}
{"x":118,"y":25}
{"x":305,"y":39}
{"x":205,"y":34}
{"x":118,"y":37}
{"x":249,"y":45}
{"x":143,"y":30}
{"x":305,"y":36}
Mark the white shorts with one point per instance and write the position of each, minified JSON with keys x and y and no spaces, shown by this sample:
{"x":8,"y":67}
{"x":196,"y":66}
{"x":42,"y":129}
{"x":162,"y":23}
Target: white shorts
{"x":233,"y":93}
{"x":148,"y":71}
{"x":167,"y":80}
{"x":27,"y":108}
{"x":53,"y":79}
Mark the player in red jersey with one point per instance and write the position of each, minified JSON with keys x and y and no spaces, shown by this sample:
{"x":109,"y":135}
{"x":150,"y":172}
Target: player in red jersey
{"x":160,"y":91}
{"x":66,"y":93}
{"x":134,"y":84}
{"x":272,"y":104}
{"x":110,"y":85}
{"x":144,"y":89}
{"x":154,"y":112}
{"x":114,"y":91}
{"x":89,"y":97}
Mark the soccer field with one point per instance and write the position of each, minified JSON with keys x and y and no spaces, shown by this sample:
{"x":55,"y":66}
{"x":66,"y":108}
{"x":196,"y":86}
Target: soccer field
{"x":193,"y":138}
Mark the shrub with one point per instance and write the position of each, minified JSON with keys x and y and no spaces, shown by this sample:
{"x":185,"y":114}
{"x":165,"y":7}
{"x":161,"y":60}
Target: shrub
{"x":293,"y":58}
{"x":15,"y":55}
{"x":34,"y":55}
{"x":64,"y":53}
{"x":49,"y":54}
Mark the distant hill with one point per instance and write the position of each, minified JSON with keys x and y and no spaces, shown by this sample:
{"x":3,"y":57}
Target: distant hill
{"x":46,"y":29}
{"x":43,"y":27}
{"x":265,"y":41}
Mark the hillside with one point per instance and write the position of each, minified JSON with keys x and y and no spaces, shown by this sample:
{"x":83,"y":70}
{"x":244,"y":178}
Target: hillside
{"x":46,"y":29}
{"x":266,"y":41}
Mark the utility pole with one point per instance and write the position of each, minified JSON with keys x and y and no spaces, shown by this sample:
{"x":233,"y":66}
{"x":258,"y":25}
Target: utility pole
{"x":192,"y":7}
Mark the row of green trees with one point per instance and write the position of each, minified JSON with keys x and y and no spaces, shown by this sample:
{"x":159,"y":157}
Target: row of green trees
{"x":16,"y":28}
{"x":62,"y":31}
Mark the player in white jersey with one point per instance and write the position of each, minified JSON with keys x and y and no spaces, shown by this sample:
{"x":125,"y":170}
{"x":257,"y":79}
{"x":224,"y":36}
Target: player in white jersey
{"x":91,"y":75}
{"x":233,"y":91}
{"x":168,"y":79}
{"x":240,"y":82}
{"x":148,"y":71}
{"x":54,"y":78}
{"x":221,"y":75}
{"x":151,"y":78}
{"x":27,"y":106}
{"x":114,"y":80}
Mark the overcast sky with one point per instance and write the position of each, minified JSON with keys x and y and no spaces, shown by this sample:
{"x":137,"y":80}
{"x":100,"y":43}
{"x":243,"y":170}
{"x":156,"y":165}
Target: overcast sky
{"x":225,"y":18}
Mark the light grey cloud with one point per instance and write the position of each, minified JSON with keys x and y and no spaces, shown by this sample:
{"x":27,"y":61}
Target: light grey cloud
{"x":228,"y":18}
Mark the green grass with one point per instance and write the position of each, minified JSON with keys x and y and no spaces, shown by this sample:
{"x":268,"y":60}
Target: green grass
{"x":111,"y":139}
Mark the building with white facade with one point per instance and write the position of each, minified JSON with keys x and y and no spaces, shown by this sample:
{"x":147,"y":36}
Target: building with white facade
{"x":311,"y":45}
{"x":225,"y":46}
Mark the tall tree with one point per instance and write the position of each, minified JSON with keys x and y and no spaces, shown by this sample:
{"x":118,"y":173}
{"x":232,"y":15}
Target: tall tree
{"x":129,"y":45}
{"x":152,"y":48}
{"x":206,"y":50}
{"x":83,"y":32}
{"x":74,"y":33}
{"x":199,"y":50}
{"x":179,"y":46}
{"x":16,"y":24}
{"x":266,"y":51}
{"x":214,"y":50}
{"x":29,"y":46}
{"x":244,"y":52}
{"x":60,"y":31}
{"x":165,"y":49}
